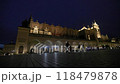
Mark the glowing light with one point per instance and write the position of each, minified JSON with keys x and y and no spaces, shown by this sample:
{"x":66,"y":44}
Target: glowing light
{"x":35,"y":30}
{"x":89,"y":29}
{"x":98,"y":34}
{"x":84,"y":28}
{"x":88,"y":37}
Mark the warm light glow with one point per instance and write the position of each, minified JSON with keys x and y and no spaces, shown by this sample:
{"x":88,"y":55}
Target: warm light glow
{"x":35,"y":30}
{"x":98,"y":34}
{"x":89,"y":29}
{"x":46,"y":29}
{"x":95,"y":23}
{"x":31,"y":31}
{"x":48,"y":33}
{"x":84,"y":28}
{"x":40,"y":32}
{"x":96,"y":26}
{"x":88,"y":37}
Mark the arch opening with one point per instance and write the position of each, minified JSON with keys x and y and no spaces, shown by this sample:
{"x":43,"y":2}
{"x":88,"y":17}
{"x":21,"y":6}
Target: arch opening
{"x":21,"y":49}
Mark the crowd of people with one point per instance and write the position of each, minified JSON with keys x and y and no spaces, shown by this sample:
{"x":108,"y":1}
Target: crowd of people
{"x":84,"y":48}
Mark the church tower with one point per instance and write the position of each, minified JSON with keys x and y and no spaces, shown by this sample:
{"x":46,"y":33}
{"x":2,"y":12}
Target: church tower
{"x":30,"y":21}
{"x":96,"y":26}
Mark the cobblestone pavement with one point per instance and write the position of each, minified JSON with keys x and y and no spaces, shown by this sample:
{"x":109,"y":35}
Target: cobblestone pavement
{"x":89,"y":59}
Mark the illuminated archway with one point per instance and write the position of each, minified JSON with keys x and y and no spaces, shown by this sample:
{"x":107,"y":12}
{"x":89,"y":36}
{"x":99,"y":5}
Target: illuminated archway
{"x":48,"y":46}
{"x":31,"y":45}
{"x":59,"y":46}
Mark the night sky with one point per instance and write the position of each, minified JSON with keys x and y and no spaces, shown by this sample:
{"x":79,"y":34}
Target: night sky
{"x":67,"y":13}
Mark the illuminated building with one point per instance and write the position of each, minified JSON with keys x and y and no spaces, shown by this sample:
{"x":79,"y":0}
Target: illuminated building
{"x":41,"y":37}
{"x":92,"y":33}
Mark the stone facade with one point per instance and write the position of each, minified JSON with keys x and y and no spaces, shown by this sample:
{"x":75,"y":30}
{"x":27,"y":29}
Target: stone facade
{"x":92,"y":33}
{"x":46,"y":29}
{"x":38,"y":37}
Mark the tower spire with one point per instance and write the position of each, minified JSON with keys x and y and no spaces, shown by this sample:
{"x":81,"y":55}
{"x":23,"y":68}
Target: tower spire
{"x":31,"y":19}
